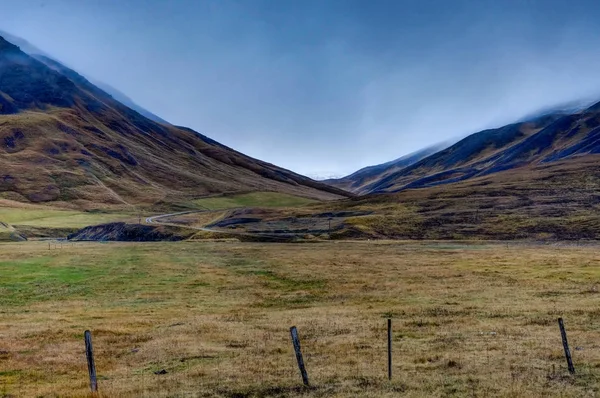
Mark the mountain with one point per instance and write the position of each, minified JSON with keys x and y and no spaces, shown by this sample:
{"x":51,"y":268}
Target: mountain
{"x":41,"y":55}
{"x":357,"y":181}
{"x":23,"y":44}
{"x":125,"y":100}
{"x":557,"y":200}
{"x":550,"y":136}
{"x":66,"y":141}
{"x":108,"y":90}
{"x":567,"y":108}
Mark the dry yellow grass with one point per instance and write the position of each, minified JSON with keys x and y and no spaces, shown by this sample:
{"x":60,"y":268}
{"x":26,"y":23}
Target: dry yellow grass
{"x":469,"y":320}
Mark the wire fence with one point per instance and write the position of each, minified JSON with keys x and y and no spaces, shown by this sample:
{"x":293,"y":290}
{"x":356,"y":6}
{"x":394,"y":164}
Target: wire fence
{"x":514,"y":360}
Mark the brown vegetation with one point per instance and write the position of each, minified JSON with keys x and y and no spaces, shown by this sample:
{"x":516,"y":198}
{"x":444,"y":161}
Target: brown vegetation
{"x":556,"y":201}
{"x":469,"y":319}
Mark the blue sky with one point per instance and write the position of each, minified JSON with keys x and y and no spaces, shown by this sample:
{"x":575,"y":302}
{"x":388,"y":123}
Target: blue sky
{"x":326,"y":87}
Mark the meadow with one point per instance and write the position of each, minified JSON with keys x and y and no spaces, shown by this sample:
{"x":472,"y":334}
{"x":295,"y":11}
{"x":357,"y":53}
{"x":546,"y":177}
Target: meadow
{"x":58,"y":218}
{"x":252,"y":199}
{"x":470,"y":319}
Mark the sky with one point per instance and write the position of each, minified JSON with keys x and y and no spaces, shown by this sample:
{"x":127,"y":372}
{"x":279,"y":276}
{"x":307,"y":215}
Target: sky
{"x":326,"y":87}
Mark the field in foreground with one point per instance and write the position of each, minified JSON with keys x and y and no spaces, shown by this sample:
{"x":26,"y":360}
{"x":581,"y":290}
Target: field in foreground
{"x":469,"y":319}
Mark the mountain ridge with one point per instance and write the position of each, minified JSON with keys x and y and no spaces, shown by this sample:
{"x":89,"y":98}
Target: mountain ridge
{"x":66,"y":141}
{"x":356,"y":181}
{"x":545,"y":138}
{"x":46,"y":58}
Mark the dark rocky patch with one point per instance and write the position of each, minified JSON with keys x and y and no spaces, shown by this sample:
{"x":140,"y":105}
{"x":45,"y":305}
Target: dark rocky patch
{"x":334,"y":214}
{"x":235,"y":221}
{"x":9,"y":142}
{"x":67,"y":130}
{"x":123,"y":232}
{"x":47,"y":194}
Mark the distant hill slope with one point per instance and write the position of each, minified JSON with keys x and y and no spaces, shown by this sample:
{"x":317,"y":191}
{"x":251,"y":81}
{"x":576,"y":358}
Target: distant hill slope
{"x":551,"y":200}
{"x":551,"y":136}
{"x":62,"y":139}
{"x":357,"y":181}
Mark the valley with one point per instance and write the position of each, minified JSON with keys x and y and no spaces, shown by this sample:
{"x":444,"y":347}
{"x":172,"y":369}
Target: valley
{"x":189,"y":261}
{"x":554,"y":202}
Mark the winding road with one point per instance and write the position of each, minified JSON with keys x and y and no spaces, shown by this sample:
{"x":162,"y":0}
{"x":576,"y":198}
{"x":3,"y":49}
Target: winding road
{"x":152,"y":220}
{"x":156,"y":221}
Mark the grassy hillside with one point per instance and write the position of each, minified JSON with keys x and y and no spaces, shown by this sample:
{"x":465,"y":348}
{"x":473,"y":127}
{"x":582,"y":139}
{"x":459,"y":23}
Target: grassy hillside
{"x":359,"y":181}
{"x":554,"y":201}
{"x":66,"y":141}
{"x":559,"y":200}
{"x":253,"y":199}
{"x":544,"y":139}
{"x":469,"y":320}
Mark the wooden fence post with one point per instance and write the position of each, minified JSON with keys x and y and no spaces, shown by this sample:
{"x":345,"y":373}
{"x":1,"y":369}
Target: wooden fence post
{"x":296,"y":342}
{"x":563,"y":334}
{"x":389,"y":336}
{"x":89,"y":352}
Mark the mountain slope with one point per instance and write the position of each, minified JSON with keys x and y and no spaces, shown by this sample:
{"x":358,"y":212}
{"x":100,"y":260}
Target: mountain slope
{"x":554,"y":200}
{"x":463,"y":160}
{"x":547,"y":138}
{"x":41,"y":55}
{"x":125,"y":100}
{"x":357,"y":181}
{"x":62,"y":139}
{"x":555,"y":133}
{"x":558,"y":200}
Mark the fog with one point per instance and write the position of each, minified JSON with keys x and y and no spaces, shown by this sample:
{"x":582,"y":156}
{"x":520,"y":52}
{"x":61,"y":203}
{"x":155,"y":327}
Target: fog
{"x":326,"y":87}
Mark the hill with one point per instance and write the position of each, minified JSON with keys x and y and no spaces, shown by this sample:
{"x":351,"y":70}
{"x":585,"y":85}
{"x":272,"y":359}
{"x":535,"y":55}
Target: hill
{"x":125,"y":100}
{"x":66,"y":141}
{"x":357,"y":181}
{"x":558,"y":200}
{"x":478,"y":153}
{"x":548,"y":137}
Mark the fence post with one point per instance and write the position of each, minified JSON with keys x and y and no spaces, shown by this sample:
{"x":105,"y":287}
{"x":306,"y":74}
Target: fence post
{"x":563,"y":334}
{"x":296,"y":342}
{"x":389,"y":336}
{"x":89,"y":352}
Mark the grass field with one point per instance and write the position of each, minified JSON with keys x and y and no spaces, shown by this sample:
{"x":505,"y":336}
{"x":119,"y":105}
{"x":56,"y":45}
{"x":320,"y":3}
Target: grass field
{"x":469,"y":319}
{"x":253,"y":199}
{"x":54,"y":218}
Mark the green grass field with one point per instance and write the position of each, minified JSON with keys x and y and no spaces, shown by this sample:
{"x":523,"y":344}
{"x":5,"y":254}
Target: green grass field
{"x":253,"y":199}
{"x":54,"y":218}
{"x":469,"y":319}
